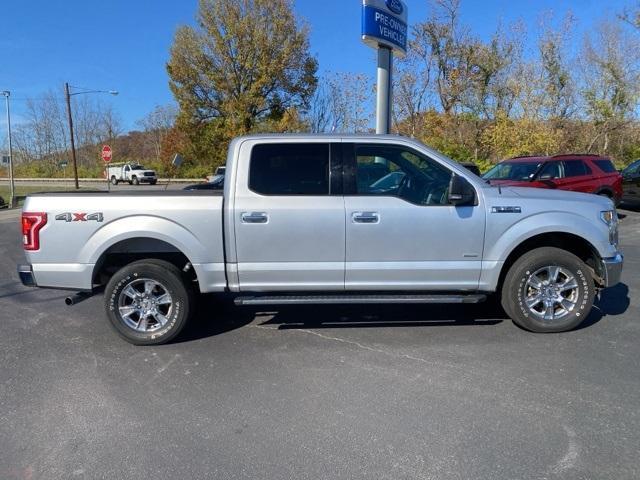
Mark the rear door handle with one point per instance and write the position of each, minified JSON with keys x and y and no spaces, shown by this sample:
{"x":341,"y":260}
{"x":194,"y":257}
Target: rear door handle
{"x":254,"y":217}
{"x":365,"y":217}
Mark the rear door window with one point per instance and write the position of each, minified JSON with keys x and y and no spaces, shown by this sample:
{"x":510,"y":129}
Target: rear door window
{"x":574,"y":168}
{"x":290,"y":169}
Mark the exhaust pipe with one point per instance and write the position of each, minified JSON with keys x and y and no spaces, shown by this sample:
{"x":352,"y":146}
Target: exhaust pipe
{"x":77,"y":298}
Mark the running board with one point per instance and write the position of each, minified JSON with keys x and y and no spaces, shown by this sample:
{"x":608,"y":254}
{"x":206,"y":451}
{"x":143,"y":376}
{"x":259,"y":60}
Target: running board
{"x":356,"y":299}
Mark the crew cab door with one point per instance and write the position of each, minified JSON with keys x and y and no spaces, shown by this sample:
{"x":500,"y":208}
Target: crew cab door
{"x":289,"y":217}
{"x":401,"y":231}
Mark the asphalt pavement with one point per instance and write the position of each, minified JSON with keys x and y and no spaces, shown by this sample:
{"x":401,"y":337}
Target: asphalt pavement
{"x":380,"y":392}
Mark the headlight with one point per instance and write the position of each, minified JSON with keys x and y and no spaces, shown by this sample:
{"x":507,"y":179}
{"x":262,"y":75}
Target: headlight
{"x":610,"y":217}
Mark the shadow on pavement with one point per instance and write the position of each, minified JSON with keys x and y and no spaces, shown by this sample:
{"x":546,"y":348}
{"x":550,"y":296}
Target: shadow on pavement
{"x":216,"y":316}
{"x":611,"y":301}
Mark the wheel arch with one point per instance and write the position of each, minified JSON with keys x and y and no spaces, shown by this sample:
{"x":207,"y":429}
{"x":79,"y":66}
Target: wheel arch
{"x":127,"y":251}
{"x":605,"y":190}
{"x":569,"y":242}
{"x":138,"y":237}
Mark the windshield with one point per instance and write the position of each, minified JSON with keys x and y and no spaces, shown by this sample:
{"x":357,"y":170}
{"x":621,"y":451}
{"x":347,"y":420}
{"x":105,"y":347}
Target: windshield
{"x":512,"y":171}
{"x":137,"y":167}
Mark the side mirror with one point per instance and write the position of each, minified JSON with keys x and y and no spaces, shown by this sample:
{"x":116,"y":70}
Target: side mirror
{"x":461,"y":192}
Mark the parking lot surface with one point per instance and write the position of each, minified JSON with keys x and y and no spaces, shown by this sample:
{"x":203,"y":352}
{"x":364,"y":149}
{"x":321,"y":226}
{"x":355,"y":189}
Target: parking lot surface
{"x":379,"y":392}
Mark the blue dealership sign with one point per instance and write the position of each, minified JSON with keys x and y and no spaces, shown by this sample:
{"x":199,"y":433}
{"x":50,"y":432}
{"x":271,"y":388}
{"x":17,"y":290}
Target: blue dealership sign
{"x":384,"y":23}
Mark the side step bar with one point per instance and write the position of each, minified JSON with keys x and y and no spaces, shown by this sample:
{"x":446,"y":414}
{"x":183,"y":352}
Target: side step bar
{"x":357,"y":299}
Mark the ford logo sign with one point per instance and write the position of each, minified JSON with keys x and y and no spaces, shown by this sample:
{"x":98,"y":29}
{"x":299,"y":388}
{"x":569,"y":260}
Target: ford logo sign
{"x":395,"y":6}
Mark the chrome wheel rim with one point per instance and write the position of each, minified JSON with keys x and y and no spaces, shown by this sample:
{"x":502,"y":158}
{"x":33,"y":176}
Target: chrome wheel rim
{"x":551,"y":293}
{"x":145,"y":305}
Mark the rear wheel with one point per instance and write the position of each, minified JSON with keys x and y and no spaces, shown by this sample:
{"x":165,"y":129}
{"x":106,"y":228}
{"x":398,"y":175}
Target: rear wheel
{"x":114,"y":180}
{"x":548,"y":290}
{"x":148,"y":302}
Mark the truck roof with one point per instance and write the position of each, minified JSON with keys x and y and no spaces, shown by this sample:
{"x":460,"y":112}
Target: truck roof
{"x":324,"y":136}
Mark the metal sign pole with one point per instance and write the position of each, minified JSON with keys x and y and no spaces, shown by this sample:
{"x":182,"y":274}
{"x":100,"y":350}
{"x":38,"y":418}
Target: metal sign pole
{"x":11,"y":182}
{"x":384,"y":27}
{"x":384,"y":92}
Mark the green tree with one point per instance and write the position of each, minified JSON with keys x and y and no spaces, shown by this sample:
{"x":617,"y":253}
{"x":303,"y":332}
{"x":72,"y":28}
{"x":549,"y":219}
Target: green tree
{"x":246,"y":62}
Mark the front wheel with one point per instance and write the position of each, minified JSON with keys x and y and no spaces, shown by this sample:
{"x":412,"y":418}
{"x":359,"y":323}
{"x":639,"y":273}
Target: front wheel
{"x":548,"y":290}
{"x":135,"y":181}
{"x":148,"y":302}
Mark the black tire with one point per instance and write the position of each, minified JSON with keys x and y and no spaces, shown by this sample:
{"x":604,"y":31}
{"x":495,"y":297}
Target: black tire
{"x":135,"y":181}
{"x":605,"y":193}
{"x":518,"y":288}
{"x":114,"y":180}
{"x":153,"y":182}
{"x":151,"y":330}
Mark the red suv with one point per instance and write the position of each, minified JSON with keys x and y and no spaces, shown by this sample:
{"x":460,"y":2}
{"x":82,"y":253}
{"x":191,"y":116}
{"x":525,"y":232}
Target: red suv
{"x":579,"y":173}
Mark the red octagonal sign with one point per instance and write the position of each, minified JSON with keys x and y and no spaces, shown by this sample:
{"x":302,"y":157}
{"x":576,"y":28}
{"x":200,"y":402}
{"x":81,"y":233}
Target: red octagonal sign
{"x":106,"y":153}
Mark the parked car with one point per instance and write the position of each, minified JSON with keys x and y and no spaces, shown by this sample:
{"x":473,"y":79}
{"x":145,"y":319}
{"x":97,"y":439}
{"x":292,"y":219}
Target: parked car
{"x":578,"y":173}
{"x":131,"y":173}
{"x":294,"y":225}
{"x":220,"y":171}
{"x":631,"y":183}
{"x":3,"y":204}
{"x":216,"y":183}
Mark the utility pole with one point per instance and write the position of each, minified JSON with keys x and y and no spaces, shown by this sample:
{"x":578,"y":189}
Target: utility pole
{"x":68,"y":95}
{"x":73,"y":144}
{"x":6,"y":94}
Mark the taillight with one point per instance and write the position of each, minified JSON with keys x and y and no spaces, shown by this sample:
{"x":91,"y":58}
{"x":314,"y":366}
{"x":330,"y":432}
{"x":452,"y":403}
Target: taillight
{"x":32,"y":223}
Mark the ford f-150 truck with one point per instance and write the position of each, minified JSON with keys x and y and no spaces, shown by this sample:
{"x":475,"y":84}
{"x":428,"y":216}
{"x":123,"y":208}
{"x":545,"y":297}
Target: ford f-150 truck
{"x":326,"y":219}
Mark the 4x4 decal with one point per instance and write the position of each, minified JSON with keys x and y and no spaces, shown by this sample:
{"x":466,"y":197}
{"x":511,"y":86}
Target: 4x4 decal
{"x":80,"y":217}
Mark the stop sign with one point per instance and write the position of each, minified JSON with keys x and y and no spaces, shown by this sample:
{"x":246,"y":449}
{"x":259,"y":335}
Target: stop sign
{"x":106,"y":153}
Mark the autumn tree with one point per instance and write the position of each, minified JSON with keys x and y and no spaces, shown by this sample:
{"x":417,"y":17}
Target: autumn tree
{"x":559,"y":85}
{"x":157,"y":125}
{"x":610,"y":65}
{"x":246,"y":61}
{"x":451,"y":48}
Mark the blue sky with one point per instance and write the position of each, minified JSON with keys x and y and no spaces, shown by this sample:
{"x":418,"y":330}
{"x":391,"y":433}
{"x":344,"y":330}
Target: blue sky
{"x":124,"y":44}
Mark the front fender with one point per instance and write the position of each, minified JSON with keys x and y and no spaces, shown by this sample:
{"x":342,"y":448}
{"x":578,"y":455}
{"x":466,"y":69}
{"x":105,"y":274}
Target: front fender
{"x":501,"y":242}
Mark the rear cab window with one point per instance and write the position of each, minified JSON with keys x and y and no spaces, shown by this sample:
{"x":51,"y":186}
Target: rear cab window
{"x":290,"y":169}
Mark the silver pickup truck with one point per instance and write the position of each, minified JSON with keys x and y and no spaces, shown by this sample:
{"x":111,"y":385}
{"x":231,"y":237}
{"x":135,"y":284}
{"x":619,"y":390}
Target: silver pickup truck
{"x":326,"y":219}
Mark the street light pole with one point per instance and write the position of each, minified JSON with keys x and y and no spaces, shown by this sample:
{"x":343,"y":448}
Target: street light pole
{"x":6,"y":94}
{"x":67,"y":95}
{"x":73,"y":144}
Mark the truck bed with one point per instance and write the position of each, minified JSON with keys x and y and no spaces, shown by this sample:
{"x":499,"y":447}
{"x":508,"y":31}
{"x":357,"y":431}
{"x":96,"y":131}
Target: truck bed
{"x":83,"y":227}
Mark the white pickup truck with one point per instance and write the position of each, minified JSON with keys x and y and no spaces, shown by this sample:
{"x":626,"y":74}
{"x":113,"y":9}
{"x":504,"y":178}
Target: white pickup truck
{"x":326,"y":219}
{"x":132,"y":173}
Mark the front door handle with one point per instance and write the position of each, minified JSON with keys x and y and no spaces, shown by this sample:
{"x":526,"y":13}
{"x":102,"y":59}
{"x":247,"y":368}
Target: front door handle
{"x":365,"y":217}
{"x":254,"y":217}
